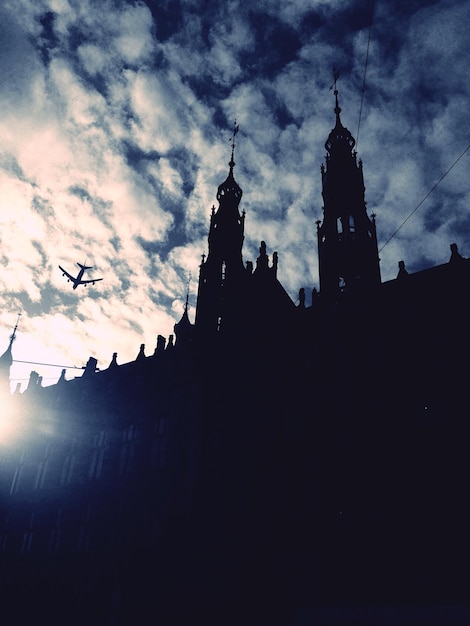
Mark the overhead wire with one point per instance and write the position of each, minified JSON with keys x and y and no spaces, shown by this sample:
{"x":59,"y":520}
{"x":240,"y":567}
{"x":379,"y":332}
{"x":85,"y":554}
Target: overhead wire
{"x":24,"y":380}
{"x":426,"y":196}
{"x":67,"y":367}
{"x":359,"y":126}
{"x":365,"y":71}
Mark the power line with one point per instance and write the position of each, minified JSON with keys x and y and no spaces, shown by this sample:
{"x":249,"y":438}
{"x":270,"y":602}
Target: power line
{"x":426,"y":196}
{"x":24,"y":380}
{"x":66,"y":367}
{"x":365,"y":72}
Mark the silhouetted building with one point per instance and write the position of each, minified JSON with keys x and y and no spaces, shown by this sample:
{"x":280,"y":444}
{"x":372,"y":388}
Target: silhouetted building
{"x":347,"y":241}
{"x":273,"y":454}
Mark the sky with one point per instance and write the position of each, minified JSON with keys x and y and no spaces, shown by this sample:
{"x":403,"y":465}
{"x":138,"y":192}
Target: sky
{"x":115,"y":121}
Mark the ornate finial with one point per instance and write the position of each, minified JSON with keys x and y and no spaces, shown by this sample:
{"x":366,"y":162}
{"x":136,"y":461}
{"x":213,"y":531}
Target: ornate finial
{"x":13,"y":335}
{"x":232,"y":140}
{"x":337,"y":108}
{"x":339,"y":136}
{"x":186,"y":304}
{"x":229,"y":190}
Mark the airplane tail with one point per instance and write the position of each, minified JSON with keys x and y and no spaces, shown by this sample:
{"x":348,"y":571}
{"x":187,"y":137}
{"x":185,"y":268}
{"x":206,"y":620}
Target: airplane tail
{"x":85,"y":267}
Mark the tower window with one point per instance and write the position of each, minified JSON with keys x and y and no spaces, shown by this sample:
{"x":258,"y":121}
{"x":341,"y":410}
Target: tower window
{"x":352,"y":226}
{"x":339,"y":226}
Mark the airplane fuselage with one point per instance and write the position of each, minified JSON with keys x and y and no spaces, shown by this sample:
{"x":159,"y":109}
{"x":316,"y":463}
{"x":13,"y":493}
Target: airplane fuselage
{"x":78,"y":279}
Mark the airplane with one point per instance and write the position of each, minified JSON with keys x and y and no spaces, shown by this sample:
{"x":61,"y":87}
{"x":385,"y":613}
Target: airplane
{"x":77,"y":280}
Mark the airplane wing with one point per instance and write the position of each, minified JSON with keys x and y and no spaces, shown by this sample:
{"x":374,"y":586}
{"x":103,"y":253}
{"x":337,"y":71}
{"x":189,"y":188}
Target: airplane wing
{"x":92,"y":280}
{"x":69,"y":276}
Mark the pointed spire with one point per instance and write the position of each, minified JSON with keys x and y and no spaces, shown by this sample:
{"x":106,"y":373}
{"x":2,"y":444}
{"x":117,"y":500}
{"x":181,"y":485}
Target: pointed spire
{"x":337,"y":108}
{"x":7,"y":359}
{"x":184,"y":329}
{"x":347,"y":240}
{"x":184,"y":321}
{"x":232,"y":140}
{"x":230,"y":188}
{"x":186,"y":304}
{"x":13,"y":335}
{"x":340,"y":135}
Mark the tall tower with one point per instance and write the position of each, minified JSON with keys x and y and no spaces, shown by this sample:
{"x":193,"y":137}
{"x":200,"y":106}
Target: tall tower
{"x":6,"y":360}
{"x":222,"y":274}
{"x":347,"y":241}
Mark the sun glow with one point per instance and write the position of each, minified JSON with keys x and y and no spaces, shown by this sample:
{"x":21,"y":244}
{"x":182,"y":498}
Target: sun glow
{"x":11,"y":426}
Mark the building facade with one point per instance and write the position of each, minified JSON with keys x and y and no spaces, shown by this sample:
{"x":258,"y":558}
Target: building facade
{"x":333,"y":472}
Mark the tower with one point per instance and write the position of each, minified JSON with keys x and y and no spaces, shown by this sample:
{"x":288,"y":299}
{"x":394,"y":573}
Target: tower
{"x":6,"y":360}
{"x":347,"y":241}
{"x":184,"y":329}
{"x":222,"y":274}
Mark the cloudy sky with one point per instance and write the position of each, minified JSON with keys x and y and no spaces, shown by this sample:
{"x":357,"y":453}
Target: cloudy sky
{"x":115,"y":120}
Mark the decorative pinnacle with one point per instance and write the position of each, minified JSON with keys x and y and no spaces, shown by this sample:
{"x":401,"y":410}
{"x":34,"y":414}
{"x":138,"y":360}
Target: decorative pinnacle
{"x":232,"y":140}
{"x":186,"y":304}
{"x":13,"y":335}
{"x":337,"y":108}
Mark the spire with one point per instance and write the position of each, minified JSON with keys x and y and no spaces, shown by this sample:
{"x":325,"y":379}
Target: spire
{"x":184,"y":329}
{"x":347,"y":240}
{"x":13,"y":335}
{"x":6,"y":359}
{"x":230,"y":188}
{"x":232,"y":140}
{"x":337,"y":108}
{"x":340,"y":138}
{"x":222,"y":271}
{"x":186,"y":304}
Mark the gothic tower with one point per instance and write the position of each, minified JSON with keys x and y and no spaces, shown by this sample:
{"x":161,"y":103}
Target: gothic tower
{"x":347,"y":242}
{"x":222,"y":274}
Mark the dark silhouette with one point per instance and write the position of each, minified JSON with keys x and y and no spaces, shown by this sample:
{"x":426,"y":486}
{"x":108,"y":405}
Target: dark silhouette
{"x":78,"y":280}
{"x":268,"y":455}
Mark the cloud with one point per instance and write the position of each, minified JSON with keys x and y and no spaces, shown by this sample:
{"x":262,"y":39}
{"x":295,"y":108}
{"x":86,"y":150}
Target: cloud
{"x":114,"y":138}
